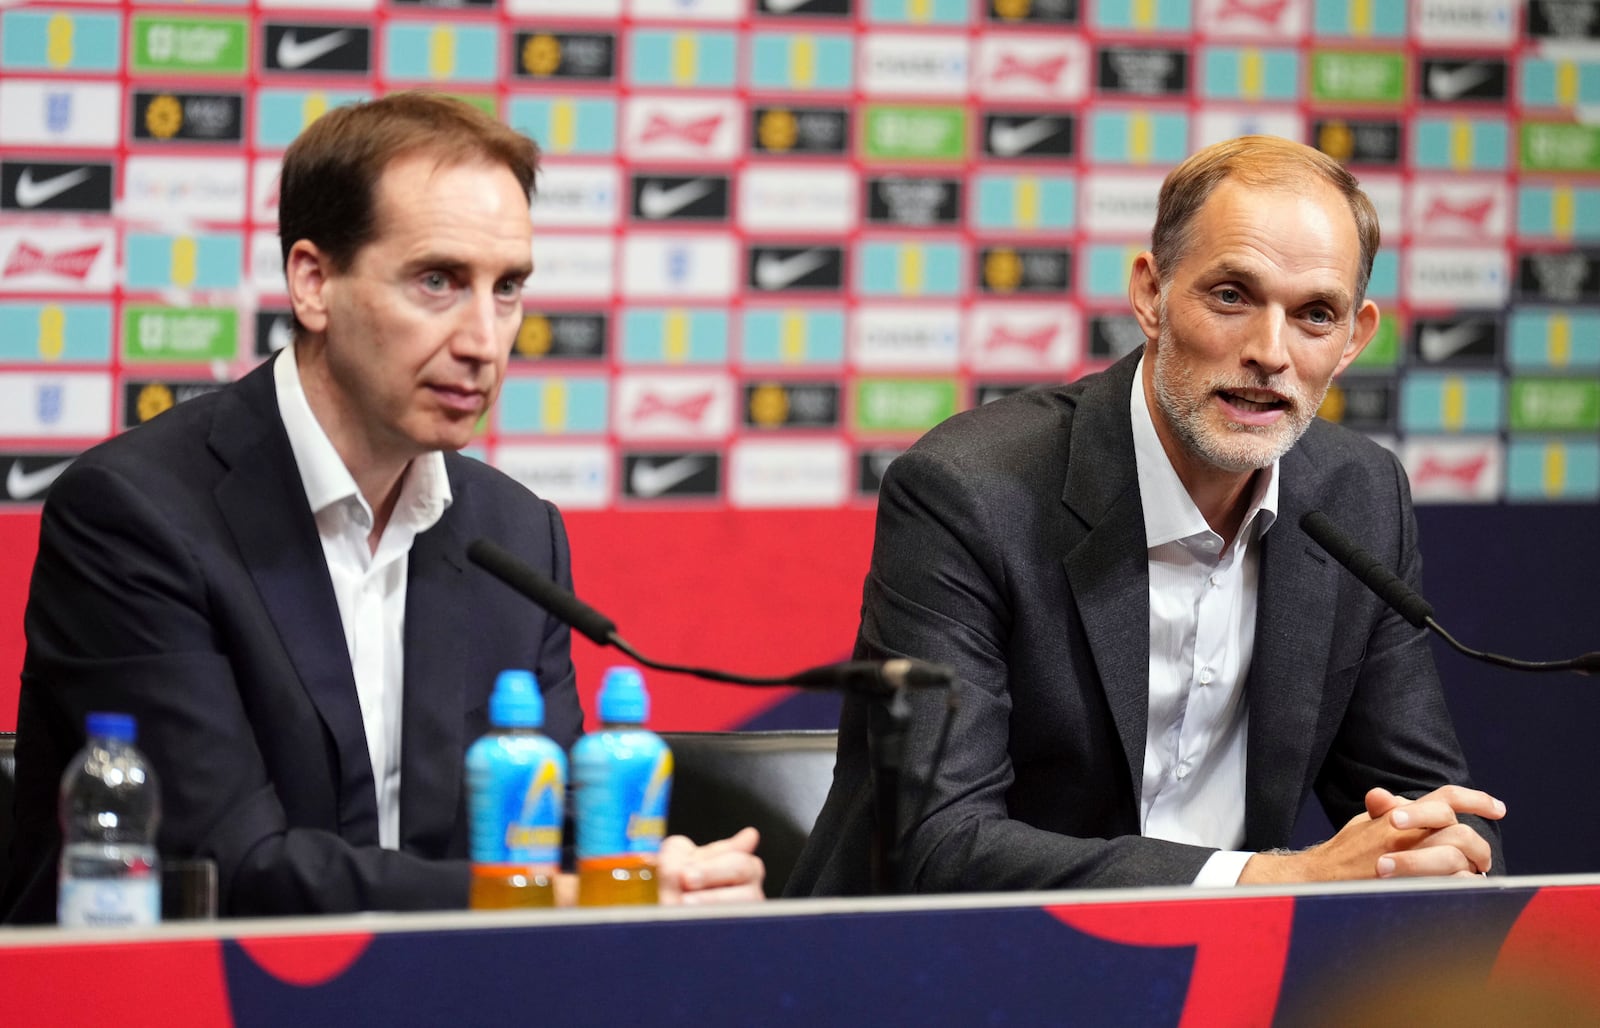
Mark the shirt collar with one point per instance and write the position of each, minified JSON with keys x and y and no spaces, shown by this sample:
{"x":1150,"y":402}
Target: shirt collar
{"x":424,"y":492}
{"x":1170,"y":514}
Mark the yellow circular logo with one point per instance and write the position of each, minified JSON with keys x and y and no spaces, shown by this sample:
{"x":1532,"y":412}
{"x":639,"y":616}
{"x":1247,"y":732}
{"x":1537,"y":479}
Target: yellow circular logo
{"x":533,"y":338}
{"x":1002,"y":270}
{"x":154,"y":399}
{"x":1012,"y":10}
{"x":164,"y":116}
{"x":541,"y":55}
{"x":769,"y":405}
{"x":777,"y":130}
{"x":1337,"y":140}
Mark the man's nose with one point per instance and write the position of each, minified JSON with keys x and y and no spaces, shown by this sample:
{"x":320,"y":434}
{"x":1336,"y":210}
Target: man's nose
{"x":1266,"y":344}
{"x":477,"y":336}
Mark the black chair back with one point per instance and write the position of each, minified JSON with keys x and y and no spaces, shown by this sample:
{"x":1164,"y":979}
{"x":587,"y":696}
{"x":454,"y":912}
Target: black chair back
{"x":775,"y":781}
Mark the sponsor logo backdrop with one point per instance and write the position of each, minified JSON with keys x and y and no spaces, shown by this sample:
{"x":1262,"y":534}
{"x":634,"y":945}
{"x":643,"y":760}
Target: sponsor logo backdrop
{"x":779,"y":239}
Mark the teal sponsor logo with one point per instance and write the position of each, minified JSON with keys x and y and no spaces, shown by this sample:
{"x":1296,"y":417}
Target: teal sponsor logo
{"x":674,"y":336}
{"x":49,"y":333}
{"x":554,"y":405}
{"x":909,"y":269}
{"x":1540,"y":470}
{"x":213,"y":260}
{"x":802,"y":61}
{"x":71,"y":41}
{"x":683,"y":58}
{"x":441,"y":52}
{"x":1452,"y":403}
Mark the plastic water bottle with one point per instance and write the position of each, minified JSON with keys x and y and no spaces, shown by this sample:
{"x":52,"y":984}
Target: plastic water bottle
{"x":110,"y":809}
{"x":518,"y":780}
{"x":624,"y":778}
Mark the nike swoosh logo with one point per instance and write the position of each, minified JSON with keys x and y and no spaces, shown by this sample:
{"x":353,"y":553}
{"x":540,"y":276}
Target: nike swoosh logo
{"x":32,"y":193}
{"x":1010,"y":140}
{"x":294,"y":52}
{"x":656,"y":201}
{"x":774,"y":272}
{"x":1447,"y":84}
{"x":650,"y":480}
{"x":25,"y":485}
{"x":1440,"y":344}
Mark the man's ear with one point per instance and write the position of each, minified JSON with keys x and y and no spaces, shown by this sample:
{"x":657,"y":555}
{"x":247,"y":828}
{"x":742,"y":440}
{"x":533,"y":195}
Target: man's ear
{"x":1144,"y":293}
{"x":309,"y":275}
{"x":1365,"y":328}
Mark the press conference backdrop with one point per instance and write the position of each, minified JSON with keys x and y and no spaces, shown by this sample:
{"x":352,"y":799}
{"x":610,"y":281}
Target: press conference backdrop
{"x":778,"y":239}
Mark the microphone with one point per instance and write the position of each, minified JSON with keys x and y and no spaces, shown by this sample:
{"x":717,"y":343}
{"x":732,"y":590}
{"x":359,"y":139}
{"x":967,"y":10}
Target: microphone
{"x":876,"y":678}
{"x":1391,"y":589}
{"x":1409,"y":604}
{"x":566,"y":608}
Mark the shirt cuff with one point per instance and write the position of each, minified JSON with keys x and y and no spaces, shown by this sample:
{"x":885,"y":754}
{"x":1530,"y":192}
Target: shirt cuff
{"x":1222,"y":869}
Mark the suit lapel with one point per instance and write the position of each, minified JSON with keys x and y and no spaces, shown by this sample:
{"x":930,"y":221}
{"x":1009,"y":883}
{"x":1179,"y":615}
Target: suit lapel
{"x":263,"y":502}
{"x":1107,"y":569}
{"x":1294,"y":635}
{"x":437,"y":663}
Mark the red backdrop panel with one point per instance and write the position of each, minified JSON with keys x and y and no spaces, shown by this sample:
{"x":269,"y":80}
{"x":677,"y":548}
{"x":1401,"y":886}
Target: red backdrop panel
{"x":760,"y":592}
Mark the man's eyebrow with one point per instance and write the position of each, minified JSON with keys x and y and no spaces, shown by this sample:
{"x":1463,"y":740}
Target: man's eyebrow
{"x":457,"y":266}
{"x":1338,"y":299}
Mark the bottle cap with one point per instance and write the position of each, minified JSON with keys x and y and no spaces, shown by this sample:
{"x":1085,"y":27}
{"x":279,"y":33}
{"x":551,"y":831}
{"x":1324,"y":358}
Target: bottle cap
{"x":107,"y":725}
{"x":517,"y":702}
{"x":623,"y":700}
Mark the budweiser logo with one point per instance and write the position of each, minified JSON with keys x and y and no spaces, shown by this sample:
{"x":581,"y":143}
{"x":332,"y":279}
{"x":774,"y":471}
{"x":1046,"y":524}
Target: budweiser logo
{"x":27,"y":259}
{"x":688,"y":409}
{"x":1267,"y":12}
{"x":698,"y":131}
{"x":1475,"y":213}
{"x":1466,"y":472}
{"x":1045,"y":71}
{"x":1035,"y":341}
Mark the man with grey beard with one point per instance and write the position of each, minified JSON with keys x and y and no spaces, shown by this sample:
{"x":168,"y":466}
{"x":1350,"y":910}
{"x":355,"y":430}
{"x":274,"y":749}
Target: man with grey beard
{"x":1157,"y":666}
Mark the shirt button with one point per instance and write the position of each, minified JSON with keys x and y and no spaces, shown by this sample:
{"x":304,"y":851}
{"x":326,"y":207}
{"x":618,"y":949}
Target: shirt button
{"x":1215,"y":580}
{"x":1206,"y":675}
{"x":1182,"y":770}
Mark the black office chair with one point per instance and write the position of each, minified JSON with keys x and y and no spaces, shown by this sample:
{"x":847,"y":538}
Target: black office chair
{"x":775,"y":781}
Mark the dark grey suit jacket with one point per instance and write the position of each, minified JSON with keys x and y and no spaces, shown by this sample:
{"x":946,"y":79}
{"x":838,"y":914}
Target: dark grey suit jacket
{"x":1010,"y":544}
{"x":180,"y":578}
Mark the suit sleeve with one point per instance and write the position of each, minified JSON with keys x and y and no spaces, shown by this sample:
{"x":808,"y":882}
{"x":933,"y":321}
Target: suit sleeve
{"x":119,"y":617}
{"x":938,"y":590}
{"x":1396,"y":733}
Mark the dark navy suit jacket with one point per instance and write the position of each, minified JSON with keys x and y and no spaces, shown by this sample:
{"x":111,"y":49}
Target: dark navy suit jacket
{"x":1011,"y":545}
{"x":180,"y":578}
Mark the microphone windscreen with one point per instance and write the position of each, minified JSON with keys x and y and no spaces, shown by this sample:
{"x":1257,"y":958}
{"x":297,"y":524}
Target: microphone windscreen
{"x":1406,"y":601}
{"x":560,"y":603}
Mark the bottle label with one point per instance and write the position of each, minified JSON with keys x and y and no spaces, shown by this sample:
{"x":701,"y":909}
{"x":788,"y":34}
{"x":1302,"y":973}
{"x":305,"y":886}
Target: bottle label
{"x":518,"y":793}
{"x":623,"y":793}
{"x":109,"y":902}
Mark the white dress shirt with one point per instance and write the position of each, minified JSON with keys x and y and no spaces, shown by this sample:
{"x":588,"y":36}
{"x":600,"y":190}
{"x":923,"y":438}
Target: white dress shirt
{"x":369,"y":586}
{"x":1202,"y":634}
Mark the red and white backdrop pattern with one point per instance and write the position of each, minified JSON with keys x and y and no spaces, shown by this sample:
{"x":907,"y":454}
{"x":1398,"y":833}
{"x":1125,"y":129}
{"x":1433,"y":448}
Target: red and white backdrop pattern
{"x":778,"y":239}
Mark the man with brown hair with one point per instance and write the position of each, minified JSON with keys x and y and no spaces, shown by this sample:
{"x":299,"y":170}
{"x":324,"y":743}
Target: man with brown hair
{"x":1157,"y":665}
{"x":272,"y":578}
